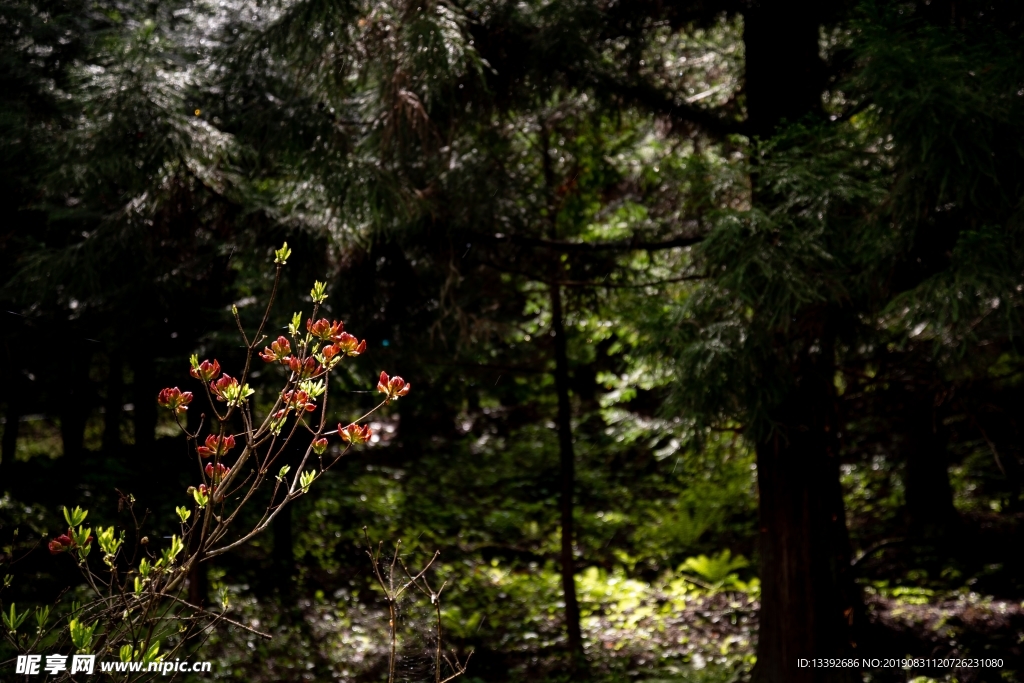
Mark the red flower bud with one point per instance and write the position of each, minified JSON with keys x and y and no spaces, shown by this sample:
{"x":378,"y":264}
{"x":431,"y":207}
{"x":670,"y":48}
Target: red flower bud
{"x":216,"y":445}
{"x":337,"y":329}
{"x":206,"y":371}
{"x":174,"y":399}
{"x":215,"y":473}
{"x":298,"y":400}
{"x":319,"y":446}
{"x":305,"y":369}
{"x":355,"y":434}
{"x":277,"y":351}
{"x":392,"y":387}
{"x":349,"y":345}
{"x":61,"y":543}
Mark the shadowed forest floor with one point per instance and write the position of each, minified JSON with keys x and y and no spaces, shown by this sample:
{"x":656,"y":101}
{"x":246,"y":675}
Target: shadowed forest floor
{"x":675,"y":631}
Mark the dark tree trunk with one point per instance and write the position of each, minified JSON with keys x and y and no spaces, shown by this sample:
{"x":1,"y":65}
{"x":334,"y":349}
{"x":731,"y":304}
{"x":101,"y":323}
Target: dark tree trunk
{"x":929,"y":495}
{"x":808,"y":599}
{"x":283,"y":551}
{"x":198,"y":577}
{"x":75,"y":407}
{"x":784,"y":74}
{"x":198,"y":584}
{"x":113,"y":405}
{"x":14,"y":392}
{"x":566,"y":454}
{"x":12,"y":424}
{"x":567,"y":475}
{"x":144,"y":391}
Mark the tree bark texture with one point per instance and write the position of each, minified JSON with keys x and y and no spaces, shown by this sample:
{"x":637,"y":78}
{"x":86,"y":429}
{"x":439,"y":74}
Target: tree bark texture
{"x":808,"y":598}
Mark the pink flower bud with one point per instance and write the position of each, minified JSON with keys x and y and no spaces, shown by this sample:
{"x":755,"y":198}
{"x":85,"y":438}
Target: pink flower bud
{"x":319,"y":446}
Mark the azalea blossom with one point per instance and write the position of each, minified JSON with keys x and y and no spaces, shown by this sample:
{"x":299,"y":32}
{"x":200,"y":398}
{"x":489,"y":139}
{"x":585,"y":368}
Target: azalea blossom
{"x":205,"y":371}
{"x":216,"y":445}
{"x":355,"y":434}
{"x":392,"y":387}
{"x":278,"y":351}
{"x":174,"y":399}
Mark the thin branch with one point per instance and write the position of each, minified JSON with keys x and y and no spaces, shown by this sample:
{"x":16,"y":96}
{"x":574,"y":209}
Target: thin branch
{"x":872,"y":549}
{"x":217,"y":617}
{"x":458,"y":668}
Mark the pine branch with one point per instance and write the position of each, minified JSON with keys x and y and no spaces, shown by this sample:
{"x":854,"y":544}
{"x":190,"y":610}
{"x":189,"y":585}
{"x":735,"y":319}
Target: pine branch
{"x":633,"y":244}
{"x":645,"y":95}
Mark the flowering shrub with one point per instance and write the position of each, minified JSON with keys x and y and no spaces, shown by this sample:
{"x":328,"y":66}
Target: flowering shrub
{"x":137,"y":599}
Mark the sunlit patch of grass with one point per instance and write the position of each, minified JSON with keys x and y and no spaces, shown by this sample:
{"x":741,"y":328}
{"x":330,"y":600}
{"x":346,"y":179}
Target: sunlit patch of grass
{"x":39,"y":436}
